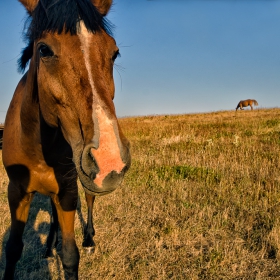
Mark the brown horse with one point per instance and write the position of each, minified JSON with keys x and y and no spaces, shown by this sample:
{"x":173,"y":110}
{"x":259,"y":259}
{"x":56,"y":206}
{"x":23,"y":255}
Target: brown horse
{"x":245,"y":103}
{"x":61,"y":124}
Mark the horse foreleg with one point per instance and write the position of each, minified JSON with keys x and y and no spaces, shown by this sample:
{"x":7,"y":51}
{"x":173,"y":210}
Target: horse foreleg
{"x":52,"y":239}
{"x":89,"y":231}
{"x":66,"y":208}
{"x":19,"y":203}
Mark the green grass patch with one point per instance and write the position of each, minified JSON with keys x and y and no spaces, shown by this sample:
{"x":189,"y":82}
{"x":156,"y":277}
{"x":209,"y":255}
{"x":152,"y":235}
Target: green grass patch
{"x":187,"y":172}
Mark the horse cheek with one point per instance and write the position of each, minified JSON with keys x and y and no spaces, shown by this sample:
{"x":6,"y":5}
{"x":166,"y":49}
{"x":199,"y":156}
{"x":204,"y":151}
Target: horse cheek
{"x":51,"y":102}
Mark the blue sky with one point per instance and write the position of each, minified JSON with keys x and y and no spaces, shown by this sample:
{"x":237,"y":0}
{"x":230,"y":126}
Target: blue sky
{"x":177,"y":56}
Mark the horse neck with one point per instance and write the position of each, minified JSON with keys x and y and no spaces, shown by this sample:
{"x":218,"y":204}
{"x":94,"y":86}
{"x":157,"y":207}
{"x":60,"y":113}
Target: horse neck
{"x":36,"y":135}
{"x":29,"y":112}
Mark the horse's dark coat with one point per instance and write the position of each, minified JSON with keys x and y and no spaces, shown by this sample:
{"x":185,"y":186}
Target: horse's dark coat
{"x":61,"y":123}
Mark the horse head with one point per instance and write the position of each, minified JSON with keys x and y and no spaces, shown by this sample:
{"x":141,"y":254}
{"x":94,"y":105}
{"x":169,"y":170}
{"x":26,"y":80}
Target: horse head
{"x":71,"y":67}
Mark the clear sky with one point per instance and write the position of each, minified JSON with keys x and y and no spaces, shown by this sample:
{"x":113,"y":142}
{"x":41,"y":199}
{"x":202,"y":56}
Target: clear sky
{"x":177,"y":56}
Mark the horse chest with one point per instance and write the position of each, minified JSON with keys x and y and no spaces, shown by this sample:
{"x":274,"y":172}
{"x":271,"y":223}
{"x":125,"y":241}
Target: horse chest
{"x":43,"y":182}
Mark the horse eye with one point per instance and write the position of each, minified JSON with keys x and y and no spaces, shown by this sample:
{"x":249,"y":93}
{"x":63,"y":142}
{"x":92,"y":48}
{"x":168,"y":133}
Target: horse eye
{"x":116,"y":54}
{"x":45,"y":51}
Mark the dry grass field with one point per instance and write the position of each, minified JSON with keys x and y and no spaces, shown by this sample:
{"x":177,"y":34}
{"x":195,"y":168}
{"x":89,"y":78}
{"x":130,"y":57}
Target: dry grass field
{"x":201,"y":201}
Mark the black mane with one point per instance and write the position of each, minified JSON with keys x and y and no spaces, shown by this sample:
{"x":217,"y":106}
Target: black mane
{"x":54,"y":16}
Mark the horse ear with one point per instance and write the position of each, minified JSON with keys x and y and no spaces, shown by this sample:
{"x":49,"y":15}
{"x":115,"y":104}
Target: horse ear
{"x":30,"y":5}
{"x":103,"y":6}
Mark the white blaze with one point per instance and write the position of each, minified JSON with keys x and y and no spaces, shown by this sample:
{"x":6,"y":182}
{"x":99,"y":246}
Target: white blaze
{"x":107,"y":155}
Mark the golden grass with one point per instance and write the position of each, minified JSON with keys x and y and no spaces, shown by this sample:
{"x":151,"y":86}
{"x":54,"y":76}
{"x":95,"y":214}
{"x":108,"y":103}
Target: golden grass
{"x":201,"y":201}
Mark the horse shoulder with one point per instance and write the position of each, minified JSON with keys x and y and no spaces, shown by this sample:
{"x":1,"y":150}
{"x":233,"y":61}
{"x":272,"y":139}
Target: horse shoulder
{"x":11,"y":136}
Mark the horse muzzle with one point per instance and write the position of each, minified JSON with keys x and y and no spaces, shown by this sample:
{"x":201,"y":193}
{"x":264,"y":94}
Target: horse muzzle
{"x":102,"y":169}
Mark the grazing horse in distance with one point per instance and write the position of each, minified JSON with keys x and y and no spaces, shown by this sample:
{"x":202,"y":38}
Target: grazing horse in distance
{"x":61,"y":124}
{"x":245,"y":103}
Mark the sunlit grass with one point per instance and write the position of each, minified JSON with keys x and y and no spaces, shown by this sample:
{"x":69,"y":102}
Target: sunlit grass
{"x":201,"y":201}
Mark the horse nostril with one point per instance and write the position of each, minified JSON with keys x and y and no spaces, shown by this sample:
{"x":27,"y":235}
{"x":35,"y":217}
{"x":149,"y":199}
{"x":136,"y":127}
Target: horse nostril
{"x":92,"y":175}
{"x":89,"y":164}
{"x":95,"y":166}
{"x":91,"y":156}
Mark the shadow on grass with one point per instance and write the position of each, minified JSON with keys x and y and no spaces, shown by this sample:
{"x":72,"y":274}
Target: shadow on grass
{"x":32,"y":263}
